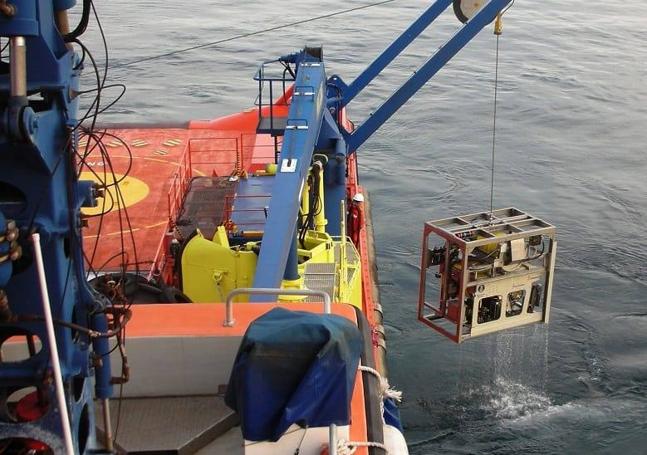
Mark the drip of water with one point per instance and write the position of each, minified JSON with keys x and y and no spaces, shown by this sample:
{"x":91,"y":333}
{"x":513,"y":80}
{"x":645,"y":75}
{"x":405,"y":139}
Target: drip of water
{"x":519,"y":375}
{"x":506,"y":399}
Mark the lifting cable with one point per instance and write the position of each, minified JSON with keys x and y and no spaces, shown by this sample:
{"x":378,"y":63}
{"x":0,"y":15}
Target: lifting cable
{"x":250,"y":34}
{"x":498,"y":30}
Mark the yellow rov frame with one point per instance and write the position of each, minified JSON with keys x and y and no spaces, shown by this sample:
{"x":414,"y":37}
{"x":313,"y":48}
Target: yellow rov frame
{"x":495,"y":272}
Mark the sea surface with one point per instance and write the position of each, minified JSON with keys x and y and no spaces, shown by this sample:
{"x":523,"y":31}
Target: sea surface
{"x":572,"y":140}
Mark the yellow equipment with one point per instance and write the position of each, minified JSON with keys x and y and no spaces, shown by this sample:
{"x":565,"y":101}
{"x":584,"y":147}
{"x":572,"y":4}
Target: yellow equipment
{"x":211,"y":269}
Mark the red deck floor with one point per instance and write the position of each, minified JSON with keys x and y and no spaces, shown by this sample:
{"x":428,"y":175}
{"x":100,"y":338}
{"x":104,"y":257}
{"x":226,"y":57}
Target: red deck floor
{"x":159,"y":162}
{"x":157,"y":157}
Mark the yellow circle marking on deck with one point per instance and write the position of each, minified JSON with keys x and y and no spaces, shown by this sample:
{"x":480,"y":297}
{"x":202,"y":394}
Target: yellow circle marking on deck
{"x":132,"y":191}
{"x":125,"y":231}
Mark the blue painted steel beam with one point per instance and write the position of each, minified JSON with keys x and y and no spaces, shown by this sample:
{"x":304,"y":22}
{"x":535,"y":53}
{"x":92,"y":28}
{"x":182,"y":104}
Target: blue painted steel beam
{"x":36,"y":164}
{"x":335,"y":187}
{"x":426,"y":72}
{"x":391,"y":52}
{"x":292,"y":266}
{"x":301,"y":134}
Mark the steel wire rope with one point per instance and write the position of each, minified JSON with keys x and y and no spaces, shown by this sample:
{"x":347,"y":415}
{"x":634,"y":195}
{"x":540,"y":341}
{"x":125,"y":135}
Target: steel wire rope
{"x":497,"y":32}
{"x":250,"y":34}
{"x":496,"y":93}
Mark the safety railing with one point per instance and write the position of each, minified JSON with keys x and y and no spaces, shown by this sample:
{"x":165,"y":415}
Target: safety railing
{"x":199,"y":156}
{"x":229,"y":316}
{"x":209,"y":153}
{"x":267,"y":78}
{"x":260,"y":209}
{"x":180,"y":184}
{"x":159,"y":262}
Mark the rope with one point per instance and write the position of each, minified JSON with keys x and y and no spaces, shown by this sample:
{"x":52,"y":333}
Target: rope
{"x":349,"y":447}
{"x":496,"y":92}
{"x":385,"y":389}
{"x":250,"y":34}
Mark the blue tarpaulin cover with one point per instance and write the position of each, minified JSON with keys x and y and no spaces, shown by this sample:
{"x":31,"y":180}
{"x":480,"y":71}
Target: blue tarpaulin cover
{"x":294,"y":367}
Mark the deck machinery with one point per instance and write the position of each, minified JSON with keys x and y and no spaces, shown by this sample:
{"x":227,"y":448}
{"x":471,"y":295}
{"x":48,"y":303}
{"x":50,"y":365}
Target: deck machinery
{"x":488,"y":272}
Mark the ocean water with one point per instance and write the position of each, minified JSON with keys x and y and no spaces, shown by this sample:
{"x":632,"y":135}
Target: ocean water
{"x":572,"y":139}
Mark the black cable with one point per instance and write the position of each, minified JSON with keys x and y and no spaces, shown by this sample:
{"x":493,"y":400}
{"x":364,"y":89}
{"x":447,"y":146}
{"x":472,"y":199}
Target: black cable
{"x":104,"y":152}
{"x":298,"y":449}
{"x":314,"y":208}
{"x":95,"y":106}
{"x":116,"y":100}
{"x":80,"y":328}
{"x":99,"y":144}
{"x":123,"y":210}
{"x":105,"y":44}
{"x":118,"y":198}
{"x":83,"y":23}
{"x":92,"y":90}
{"x":70,"y":140}
{"x":81,"y":61}
{"x":508,"y":7}
{"x":247,"y":35}
{"x":97,"y":99}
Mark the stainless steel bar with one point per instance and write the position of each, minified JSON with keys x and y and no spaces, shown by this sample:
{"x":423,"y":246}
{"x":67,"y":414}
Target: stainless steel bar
{"x":107,"y":425}
{"x":332,"y":439}
{"x":18,"y":66}
{"x":229,"y":318}
{"x":53,"y":347}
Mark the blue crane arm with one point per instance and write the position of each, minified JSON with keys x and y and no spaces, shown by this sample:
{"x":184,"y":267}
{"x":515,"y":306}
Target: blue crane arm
{"x":304,"y":130}
{"x":304,"y":121}
{"x":443,"y":55}
{"x":394,"y":49}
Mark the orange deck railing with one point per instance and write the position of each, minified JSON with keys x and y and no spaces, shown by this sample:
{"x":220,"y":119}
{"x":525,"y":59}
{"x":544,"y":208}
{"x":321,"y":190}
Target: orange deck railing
{"x":201,"y":156}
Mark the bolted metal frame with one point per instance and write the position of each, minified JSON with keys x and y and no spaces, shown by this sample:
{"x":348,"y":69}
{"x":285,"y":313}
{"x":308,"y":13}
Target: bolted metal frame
{"x":497,"y":227}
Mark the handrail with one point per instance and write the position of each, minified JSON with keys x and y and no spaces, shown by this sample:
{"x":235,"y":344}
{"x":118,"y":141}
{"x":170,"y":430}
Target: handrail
{"x":229,"y":317}
{"x":332,"y":439}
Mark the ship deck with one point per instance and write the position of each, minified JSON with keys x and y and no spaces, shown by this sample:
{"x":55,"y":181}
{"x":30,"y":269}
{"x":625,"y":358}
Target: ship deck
{"x":159,"y":164}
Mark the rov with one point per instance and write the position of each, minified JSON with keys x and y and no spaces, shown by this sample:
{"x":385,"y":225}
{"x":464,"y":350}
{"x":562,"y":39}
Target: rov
{"x":492,"y":271}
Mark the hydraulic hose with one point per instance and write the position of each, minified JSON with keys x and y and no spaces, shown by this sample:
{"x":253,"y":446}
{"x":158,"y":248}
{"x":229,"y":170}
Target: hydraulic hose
{"x":83,"y":23}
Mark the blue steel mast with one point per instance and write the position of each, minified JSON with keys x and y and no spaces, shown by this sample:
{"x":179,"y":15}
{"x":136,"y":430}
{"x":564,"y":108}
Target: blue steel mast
{"x":40,"y":193}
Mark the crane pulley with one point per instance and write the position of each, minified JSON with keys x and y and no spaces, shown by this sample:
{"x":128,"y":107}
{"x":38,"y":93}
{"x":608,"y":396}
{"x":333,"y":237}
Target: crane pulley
{"x":466,"y":9}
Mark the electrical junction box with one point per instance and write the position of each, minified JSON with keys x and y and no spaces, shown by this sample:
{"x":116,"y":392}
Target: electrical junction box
{"x":490,"y":271}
